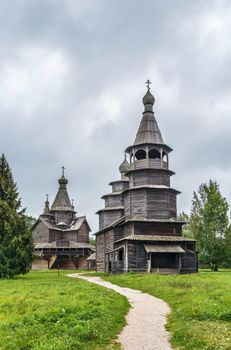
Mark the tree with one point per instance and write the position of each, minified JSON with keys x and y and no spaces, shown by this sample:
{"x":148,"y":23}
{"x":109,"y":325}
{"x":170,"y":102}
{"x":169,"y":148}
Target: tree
{"x":16,"y":245}
{"x":186,"y":231}
{"x":209,"y":224}
{"x":92,"y":241}
{"x":227,"y":260}
{"x":30,"y":221}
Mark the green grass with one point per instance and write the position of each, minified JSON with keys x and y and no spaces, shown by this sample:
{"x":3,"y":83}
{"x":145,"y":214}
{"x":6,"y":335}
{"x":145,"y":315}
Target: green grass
{"x":42,"y":311}
{"x":200,"y":304}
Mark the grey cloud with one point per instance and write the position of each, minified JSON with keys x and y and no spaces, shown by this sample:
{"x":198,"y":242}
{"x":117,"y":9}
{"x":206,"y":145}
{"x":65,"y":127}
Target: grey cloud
{"x":102,"y":53}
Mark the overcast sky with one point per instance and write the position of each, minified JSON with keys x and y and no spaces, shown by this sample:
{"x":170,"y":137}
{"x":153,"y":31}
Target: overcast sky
{"x":72,"y":81}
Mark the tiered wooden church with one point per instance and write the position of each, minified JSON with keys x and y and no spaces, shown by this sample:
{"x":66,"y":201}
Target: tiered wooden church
{"x":61,"y":238}
{"x":138,"y":228}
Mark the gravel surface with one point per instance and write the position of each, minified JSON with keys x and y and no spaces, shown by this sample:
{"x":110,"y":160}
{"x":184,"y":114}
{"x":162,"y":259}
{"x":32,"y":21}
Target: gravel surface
{"x":145,"y":329}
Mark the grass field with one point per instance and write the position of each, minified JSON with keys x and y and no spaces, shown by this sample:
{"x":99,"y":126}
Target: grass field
{"x":45,"y":312}
{"x":200,"y":303}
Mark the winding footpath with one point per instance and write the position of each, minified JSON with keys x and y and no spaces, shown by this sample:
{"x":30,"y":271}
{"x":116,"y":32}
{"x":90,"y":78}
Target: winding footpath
{"x":146,"y":319}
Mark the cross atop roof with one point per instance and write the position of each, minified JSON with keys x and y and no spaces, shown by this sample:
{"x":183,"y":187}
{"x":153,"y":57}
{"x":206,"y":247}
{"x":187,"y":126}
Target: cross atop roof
{"x":148,"y":83}
{"x":63,"y":168}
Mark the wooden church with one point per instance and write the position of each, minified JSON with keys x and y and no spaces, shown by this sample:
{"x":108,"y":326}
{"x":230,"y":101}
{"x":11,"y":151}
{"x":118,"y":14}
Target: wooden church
{"x":61,"y":238}
{"x":138,"y":228}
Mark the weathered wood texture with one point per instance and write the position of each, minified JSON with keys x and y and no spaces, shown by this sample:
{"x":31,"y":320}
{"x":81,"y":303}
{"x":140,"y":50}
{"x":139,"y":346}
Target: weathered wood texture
{"x":63,"y":216}
{"x":104,"y":245}
{"x":149,"y":177}
{"x":163,"y":229}
{"x":189,"y":259}
{"x":40,"y":233}
{"x":108,"y":217}
{"x":119,"y":233}
{"x":114,"y":201}
{"x":119,"y":186}
{"x":83,"y":234}
{"x":137,"y":257}
{"x":55,"y":235}
{"x":82,"y":263}
{"x":149,"y":163}
{"x":70,"y":236}
{"x":150,"y":203}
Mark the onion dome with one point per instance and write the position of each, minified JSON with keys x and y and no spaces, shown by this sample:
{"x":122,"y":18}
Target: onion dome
{"x":46,"y":210}
{"x":63,"y":182}
{"x":124,"y":166}
{"x":148,"y":99}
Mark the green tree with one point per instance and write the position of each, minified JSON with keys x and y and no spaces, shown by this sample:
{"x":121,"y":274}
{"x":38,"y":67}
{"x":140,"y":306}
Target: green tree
{"x":209,"y":223}
{"x":186,"y":230}
{"x":30,"y":220}
{"x":227,"y":261}
{"x":92,"y":241}
{"x":16,"y":245}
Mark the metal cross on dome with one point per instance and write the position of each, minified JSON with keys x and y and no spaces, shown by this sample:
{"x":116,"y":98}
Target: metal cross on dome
{"x":63,"y":168}
{"x":148,"y":83}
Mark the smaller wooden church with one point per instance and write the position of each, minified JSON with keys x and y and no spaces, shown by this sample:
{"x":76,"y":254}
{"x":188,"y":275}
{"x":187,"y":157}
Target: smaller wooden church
{"x":61,"y":238}
{"x":138,"y":227}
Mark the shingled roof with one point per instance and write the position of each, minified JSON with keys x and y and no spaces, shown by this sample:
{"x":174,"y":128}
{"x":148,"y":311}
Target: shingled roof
{"x":148,"y":131}
{"x":62,"y":201}
{"x":156,"y":238}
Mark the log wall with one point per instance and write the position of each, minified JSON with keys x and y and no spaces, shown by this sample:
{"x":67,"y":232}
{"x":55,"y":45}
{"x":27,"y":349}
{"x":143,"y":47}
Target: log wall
{"x":137,"y":257}
{"x":108,"y":217}
{"x":104,"y":245}
{"x":114,"y":201}
{"x":83,"y":234}
{"x":163,"y":229}
{"x":150,"y":203}
{"x":149,"y":177}
{"x":40,"y":233}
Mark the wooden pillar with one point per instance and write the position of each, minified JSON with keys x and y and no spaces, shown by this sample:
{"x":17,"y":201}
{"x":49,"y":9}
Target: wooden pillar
{"x":179,"y":261}
{"x":126,"y":257}
{"x":147,"y":157}
{"x":161,"y":157}
{"x":149,"y":263}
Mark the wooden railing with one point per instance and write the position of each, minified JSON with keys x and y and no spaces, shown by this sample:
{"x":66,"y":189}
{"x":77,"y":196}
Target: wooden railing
{"x":149,"y":163}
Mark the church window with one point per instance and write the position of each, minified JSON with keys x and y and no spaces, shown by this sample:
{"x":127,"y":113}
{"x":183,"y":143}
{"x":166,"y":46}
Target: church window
{"x":140,"y":154}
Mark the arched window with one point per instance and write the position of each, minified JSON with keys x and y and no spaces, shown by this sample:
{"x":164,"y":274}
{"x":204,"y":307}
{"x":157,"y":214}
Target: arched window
{"x":154,"y":154}
{"x":140,"y":154}
{"x":165,"y":157}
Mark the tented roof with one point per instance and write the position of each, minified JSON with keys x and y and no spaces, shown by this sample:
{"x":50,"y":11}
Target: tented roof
{"x":148,"y":131}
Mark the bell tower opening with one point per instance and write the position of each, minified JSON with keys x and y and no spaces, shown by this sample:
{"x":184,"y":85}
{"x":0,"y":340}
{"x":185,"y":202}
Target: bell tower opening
{"x":140,"y":154}
{"x":154,"y":154}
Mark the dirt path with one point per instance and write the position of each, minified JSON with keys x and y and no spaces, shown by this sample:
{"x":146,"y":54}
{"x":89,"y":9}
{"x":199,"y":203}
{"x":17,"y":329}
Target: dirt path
{"x":145,"y":329}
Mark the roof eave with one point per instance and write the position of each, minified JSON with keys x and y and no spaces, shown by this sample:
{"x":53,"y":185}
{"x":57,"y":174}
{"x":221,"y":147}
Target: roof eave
{"x":168,"y":148}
